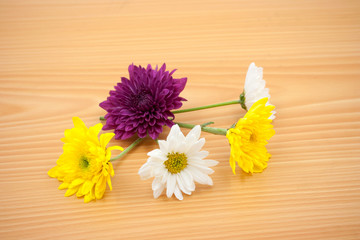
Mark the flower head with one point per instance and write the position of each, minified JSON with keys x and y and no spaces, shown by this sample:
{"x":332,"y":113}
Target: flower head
{"x":142,"y":104}
{"x":84,"y":166}
{"x":178,"y":163}
{"x":249,"y":137}
{"x":254,"y":88}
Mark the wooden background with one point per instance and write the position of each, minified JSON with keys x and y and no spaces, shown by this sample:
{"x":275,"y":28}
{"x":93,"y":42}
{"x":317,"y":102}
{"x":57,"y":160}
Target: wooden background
{"x":59,"y":59}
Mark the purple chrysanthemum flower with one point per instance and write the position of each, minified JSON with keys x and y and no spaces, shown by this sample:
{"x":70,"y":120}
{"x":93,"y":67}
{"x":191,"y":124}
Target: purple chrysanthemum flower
{"x":143,"y":104}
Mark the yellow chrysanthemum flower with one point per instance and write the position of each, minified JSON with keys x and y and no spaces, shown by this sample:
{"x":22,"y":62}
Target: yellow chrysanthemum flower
{"x":85,"y":167}
{"x":249,"y":137}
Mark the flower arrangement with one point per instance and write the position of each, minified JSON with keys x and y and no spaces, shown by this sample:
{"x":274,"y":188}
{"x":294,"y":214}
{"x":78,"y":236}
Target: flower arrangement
{"x":143,"y":105}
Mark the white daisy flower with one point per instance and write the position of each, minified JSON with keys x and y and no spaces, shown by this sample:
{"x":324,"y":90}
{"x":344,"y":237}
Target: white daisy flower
{"x":254,"y":88}
{"x":178,"y":163}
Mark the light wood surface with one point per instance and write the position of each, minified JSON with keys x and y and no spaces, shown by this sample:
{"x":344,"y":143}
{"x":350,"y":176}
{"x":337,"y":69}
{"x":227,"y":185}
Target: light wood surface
{"x":59,"y":59}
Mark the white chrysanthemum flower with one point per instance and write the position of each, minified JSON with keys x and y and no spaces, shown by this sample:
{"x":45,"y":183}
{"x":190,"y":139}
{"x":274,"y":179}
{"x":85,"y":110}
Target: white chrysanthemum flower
{"x":254,"y":88}
{"x":178,"y":163}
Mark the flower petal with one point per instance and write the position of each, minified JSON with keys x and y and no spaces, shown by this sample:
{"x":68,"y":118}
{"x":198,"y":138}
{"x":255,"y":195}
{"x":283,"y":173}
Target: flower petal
{"x":196,"y":147}
{"x":210,"y":163}
{"x":76,"y":182}
{"x":158,"y":190}
{"x":181,"y":185}
{"x":200,"y":177}
{"x":163,"y":146}
{"x":194,"y":132}
{"x":145,"y":171}
{"x":100,"y":188}
{"x":170,"y":186}
{"x":188,"y":180}
{"x":53,"y":172}
{"x":105,"y":139}
{"x":63,"y":186}
{"x":178,"y":194}
{"x":115,"y":148}
{"x":78,"y":123}
{"x":174,"y":132}
{"x":95,"y":130}
{"x":71,"y":191}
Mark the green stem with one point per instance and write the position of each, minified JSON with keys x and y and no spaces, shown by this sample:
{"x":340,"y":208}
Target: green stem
{"x":206,"y":124}
{"x":136,"y":142}
{"x":217,"y":131}
{"x":102,"y":118}
{"x":208,"y":106}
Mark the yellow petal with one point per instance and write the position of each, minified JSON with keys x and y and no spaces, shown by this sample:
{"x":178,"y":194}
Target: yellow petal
{"x":105,"y":139}
{"x":88,"y":198}
{"x":109,"y":182}
{"x":76,"y":182}
{"x":115,"y":148}
{"x":53,"y":172}
{"x":270,"y":108}
{"x":79,"y":193}
{"x":111,"y":169}
{"x":71,"y":191}
{"x":86,"y":187}
{"x":100,"y":188}
{"x":78,"y":123}
{"x":96,"y":129}
{"x":92,"y":193}
{"x":63,"y":186}
{"x":233,"y":165}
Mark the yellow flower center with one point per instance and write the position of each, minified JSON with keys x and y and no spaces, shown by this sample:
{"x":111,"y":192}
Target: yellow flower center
{"x":84,"y":162}
{"x":176,"y":162}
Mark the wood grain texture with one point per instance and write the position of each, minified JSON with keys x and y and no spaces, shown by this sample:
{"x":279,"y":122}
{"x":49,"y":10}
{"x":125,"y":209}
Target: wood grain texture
{"x":59,"y":59}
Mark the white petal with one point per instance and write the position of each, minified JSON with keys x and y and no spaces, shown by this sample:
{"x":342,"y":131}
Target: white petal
{"x":200,"y":177}
{"x":190,"y":140}
{"x":192,"y":137}
{"x":163,"y":146}
{"x":157,"y":160}
{"x":210,"y":163}
{"x":188,"y":180}
{"x":175,"y":139}
{"x":175,"y":133}
{"x":195,"y":132}
{"x":154,"y":153}
{"x":157,"y":155}
{"x":195,"y":160}
{"x":201,"y":167}
{"x":181,"y":185}
{"x":253,"y":75}
{"x":156,"y":184}
{"x":159,"y":171}
{"x":145,"y":171}
{"x":157,"y":187}
{"x":180,"y":137}
{"x":170,"y":186}
{"x":158,"y":191}
{"x":200,"y":155}
{"x":164,"y":177}
{"x":173,"y":144}
{"x":196,"y":147}
{"x":178,"y":194}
